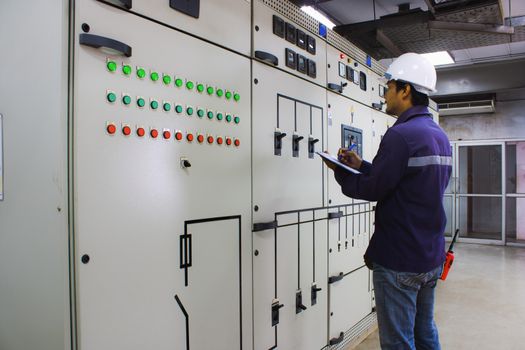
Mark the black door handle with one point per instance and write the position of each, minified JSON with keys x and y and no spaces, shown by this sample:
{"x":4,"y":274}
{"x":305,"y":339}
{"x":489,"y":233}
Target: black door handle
{"x":267,"y":57}
{"x":97,"y":42}
{"x":334,"y":341}
{"x":263,"y":226}
{"x":337,"y":278}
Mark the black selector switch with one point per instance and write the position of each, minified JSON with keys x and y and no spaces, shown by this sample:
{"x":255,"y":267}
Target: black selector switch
{"x":315,"y":290}
{"x":312,"y":69}
{"x":301,"y":39}
{"x":278,"y":26}
{"x":311,"y":146}
{"x":310,"y":44}
{"x":299,"y":306}
{"x":290,"y":33}
{"x":275,"y":312}
{"x":301,"y":64}
{"x":277,"y":142}
{"x":349,"y":74}
{"x":291,"y":59}
{"x":362,"y":81}
{"x":295,"y":145}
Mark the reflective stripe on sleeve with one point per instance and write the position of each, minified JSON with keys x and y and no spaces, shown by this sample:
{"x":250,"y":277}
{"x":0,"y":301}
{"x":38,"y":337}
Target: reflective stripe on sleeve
{"x":429,"y":160}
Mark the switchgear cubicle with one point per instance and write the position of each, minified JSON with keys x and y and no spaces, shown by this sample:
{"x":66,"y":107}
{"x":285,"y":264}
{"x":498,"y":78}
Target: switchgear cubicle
{"x":174,"y":196}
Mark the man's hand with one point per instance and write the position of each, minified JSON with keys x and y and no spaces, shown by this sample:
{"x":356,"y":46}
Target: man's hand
{"x":349,"y":158}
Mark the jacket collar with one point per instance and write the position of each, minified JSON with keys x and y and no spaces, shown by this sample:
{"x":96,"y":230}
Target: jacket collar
{"x":413,"y":112}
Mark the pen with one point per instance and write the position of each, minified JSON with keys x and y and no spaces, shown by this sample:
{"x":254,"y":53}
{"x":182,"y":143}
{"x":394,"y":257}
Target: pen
{"x":352,"y":147}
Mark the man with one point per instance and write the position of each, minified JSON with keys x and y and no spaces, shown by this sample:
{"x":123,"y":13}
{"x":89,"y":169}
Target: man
{"x":407,"y":178}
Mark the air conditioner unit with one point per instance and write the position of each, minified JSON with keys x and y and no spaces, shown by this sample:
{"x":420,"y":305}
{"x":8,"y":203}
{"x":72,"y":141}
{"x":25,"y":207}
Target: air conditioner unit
{"x":466,"y":108}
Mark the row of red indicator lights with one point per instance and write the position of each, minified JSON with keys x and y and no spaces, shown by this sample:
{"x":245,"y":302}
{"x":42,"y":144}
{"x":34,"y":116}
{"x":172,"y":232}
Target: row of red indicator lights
{"x":166,"y":134}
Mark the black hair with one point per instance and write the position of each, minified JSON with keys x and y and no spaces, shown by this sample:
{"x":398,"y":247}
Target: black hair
{"x":418,"y":98}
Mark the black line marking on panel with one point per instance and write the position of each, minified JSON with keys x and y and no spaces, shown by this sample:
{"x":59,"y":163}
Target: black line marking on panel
{"x":277,"y":111}
{"x":346,"y":223}
{"x":313,"y":224}
{"x":298,"y":252}
{"x":295,"y":115}
{"x":189,"y":264}
{"x":311,"y":116}
{"x":187,"y":317}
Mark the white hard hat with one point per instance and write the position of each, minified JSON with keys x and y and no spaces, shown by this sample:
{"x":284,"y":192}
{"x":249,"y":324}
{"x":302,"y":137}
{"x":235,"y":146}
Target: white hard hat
{"x":414,"y":69}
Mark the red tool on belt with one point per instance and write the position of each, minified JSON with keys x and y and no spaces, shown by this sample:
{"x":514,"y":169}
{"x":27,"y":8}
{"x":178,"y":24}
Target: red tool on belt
{"x":450,"y":258}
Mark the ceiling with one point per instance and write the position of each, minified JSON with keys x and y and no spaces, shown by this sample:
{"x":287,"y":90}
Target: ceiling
{"x":471,"y":30}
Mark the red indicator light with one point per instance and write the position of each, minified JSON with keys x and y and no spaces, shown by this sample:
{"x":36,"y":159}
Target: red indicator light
{"x":237,"y":142}
{"x":111,"y":129}
{"x":341,"y":55}
{"x":154,"y":133}
{"x":219,"y":140}
{"x":200,"y":138}
{"x":141,"y":132}
{"x":228,"y":141}
{"x":126,"y":130}
{"x":210,"y":139}
{"x":178,"y":136}
{"x":166,"y":134}
{"x":189,"y":137}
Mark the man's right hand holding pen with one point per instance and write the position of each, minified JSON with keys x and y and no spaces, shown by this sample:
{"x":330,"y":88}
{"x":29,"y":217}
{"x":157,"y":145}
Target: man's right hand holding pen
{"x":348,"y":157}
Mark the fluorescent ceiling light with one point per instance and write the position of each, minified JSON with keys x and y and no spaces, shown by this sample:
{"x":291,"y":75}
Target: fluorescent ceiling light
{"x":318,"y":16}
{"x":439,"y":58}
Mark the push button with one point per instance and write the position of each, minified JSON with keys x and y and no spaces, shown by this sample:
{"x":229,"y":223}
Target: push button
{"x":112,"y":66}
{"x":111,"y":97}
{"x":141,"y":132}
{"x":111,"y":129}
{"x":126,"y":99}
{"x":126,"y":69}
{"x":141,"y":73}
{"x":166,"y":79}
{"x":166,"y":134}
{"x":154,"y":133}
{"x":126,"y":130}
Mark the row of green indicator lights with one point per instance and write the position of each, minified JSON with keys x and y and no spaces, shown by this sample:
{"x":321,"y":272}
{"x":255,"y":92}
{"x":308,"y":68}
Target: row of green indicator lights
{"x":166,"y":106}
{"x":166,"y":79}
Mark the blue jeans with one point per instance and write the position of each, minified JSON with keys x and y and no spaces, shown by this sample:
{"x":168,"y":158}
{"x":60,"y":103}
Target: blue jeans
{"x":405,"y":309}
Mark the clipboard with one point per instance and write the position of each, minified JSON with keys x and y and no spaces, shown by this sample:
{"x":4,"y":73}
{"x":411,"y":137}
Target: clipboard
{"x":335,"y":161}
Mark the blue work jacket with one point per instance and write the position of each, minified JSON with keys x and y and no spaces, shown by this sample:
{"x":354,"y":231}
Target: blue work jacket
{"x":407,"y":178}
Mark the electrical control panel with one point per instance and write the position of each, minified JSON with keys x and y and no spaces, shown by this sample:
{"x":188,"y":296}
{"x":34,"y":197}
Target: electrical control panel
{"x":225,"y":22}
{"x":282,"y":43}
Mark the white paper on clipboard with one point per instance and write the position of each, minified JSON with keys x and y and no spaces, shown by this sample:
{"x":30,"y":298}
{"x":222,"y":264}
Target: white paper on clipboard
{"x":335,"y":161}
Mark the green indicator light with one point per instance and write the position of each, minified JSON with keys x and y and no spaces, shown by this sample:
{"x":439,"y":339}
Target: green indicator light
{"x":178,"y":109}
{"x":112,"y":66}
{"x":167,"y":107}
{"x":189,"y":110}
{"x":154,"y":76}
{"x":220,"y":92}
{"x":228,"y":95}
{"x":200,"y":113}
{"x":228,"y":118}
{"x":209,"y":90}
{"x":236,"y":97}
{"x":126,"y":69}
{"x":210,"y":114}
{"x":141,"y":73}
{"x":237,"y":120}
{"x":154,"y":104}
{"x":219,"y":116}
{"x":126,"y":99}
{"x":166,"y":79}
{"x":178,"y":82}
{"x":111,"y":97}
{"x":141,"y":102}
{"x":189,"y":85}
{"x":200,"y":87}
